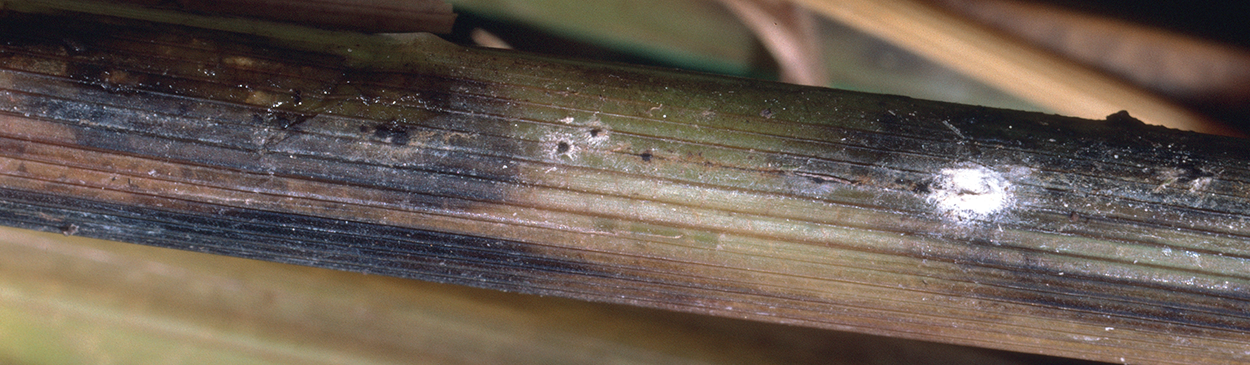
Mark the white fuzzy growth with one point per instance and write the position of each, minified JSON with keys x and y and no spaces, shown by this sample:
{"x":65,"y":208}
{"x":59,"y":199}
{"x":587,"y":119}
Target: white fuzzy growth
{"x":970,"y":192}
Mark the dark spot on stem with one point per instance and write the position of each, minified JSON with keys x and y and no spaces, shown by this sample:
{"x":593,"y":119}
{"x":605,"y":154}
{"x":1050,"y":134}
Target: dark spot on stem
{"x":824,"y":179}
{"x":69,"y":229}
{"x":594,"y":132}
{"x":392,"y":132}
{"x":282,"y":119}
{"x":646,"y":156}
{"x":922,"y":187}
{"x":562,"y":147}
{"x":887,"y":118}
{"x":1188,"y":172}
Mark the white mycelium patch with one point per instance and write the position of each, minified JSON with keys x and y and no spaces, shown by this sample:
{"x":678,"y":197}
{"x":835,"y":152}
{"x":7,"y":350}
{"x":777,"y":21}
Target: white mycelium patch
{"x":970,"y":192}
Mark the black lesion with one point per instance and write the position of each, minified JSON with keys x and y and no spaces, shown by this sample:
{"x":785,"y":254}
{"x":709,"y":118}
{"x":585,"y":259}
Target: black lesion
{"x":339,"y":244}
{"x":887,"y":118}
{"x":283,"y":120}
{"x":563,"y":147}
{"x":393,"y":132}
{"x":1188,"y":172}
{"x":646,"y":156}
{"x":918,"y":187}
{"x":825,"y":179}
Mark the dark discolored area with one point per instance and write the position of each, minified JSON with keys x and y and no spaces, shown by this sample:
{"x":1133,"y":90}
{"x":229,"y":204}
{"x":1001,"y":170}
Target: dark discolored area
{"x":148,"y":88}
{"x":393,"y":132}
{"x":292,"y":239}
{"x":280,"y":119}
{"x":235,"y":103}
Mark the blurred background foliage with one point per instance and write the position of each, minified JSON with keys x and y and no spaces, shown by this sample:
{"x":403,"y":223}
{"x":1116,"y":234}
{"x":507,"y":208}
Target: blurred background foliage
{"x":1190,"y":53}
{"x":705,"y":36}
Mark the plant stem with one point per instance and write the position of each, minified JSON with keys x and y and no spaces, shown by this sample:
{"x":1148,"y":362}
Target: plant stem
{"x":416,"y":158}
